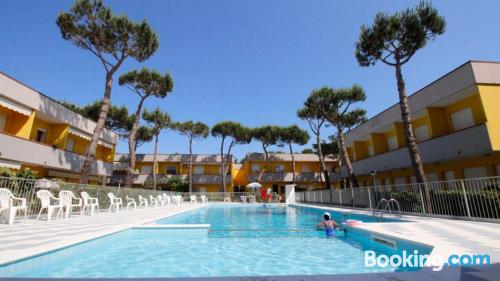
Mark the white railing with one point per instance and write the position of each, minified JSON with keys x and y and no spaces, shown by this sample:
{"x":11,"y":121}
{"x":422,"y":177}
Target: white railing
{"x":26,"y":188}
{"x":475,"y":199}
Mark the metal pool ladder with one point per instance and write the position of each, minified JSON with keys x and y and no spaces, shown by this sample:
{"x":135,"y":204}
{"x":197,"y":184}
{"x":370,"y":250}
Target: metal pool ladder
{"x":385,"y":205}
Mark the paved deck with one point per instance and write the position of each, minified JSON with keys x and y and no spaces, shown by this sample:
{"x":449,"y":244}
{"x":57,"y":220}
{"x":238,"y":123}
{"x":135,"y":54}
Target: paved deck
{"x":24,"y":239}
{"x":445,"y":235}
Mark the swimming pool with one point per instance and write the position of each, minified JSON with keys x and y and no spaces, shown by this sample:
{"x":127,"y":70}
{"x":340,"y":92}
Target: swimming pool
{"x":244,"y":240}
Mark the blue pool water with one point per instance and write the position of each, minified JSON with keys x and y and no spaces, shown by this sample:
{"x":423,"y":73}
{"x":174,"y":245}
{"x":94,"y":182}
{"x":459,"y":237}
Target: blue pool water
{"x":244,"y":240}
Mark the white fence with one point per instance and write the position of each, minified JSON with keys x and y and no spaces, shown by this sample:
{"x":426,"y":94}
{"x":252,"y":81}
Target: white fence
{"x":27,"y":189}
{"x":475,"y":199}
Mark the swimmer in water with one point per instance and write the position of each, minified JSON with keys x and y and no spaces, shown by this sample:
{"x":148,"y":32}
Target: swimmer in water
{"x":329,"y":225}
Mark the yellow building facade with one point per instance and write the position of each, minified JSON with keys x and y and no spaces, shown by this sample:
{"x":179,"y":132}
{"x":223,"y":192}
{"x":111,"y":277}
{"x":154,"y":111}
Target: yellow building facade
{"x":456,"y":122}
{"x":37,"y":132}
{"x":278,"y":171}
{"x":206,"y":171}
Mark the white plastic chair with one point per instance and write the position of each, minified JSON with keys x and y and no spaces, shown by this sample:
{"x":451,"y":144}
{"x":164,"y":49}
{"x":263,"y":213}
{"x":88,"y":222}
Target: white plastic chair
{"x":143,"y":202}
{"x":204,"y":199}
{"x":115,"y":202}
{"x":8,"y":207}
{"x":68,"y":200}
{"x":89,"y":203}
{"x":167,"y":198}
{"x":131,"y":202}
{"x":46,"y":198}
{"x":162,"y":201}
{"x":177,"y":199}
{"x":193,"y":199}
{"x":154,"y":201}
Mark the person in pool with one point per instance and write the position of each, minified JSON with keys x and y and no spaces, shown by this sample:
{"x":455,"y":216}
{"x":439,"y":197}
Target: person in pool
{"x":328,"y":224}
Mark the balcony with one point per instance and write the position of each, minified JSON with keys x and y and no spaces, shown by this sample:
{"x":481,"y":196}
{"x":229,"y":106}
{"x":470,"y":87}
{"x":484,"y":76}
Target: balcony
{"x":140,"y":179}
{"x":287,"y":177}
{"x":461,"y":144}
{"x":33,"y":153}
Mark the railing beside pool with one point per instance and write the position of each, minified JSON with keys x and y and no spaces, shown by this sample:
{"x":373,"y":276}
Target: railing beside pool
{"x":474,"y":199}
{"x":27,"y":188}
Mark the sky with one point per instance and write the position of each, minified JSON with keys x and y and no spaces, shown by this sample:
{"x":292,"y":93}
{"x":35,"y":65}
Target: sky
{"x":250,"y":61}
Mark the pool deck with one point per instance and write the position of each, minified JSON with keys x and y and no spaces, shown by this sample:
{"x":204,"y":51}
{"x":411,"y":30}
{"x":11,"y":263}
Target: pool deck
{"x":25,"y":239}
{"x":447,"y":236}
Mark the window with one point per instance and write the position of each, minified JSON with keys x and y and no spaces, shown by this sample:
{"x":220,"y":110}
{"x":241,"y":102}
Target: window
{"x":41,"y":134}
{"x":370,"y":150}
{"x":306,"y":169}
{"x":70,"y":144}
{"x":171,"y":170}
{"x":431,"y":177}
{"x":413,"y":179}
{"x":202,"y":189}
{"x":399,"y":180}
{"x":476,"y":172}
{"x":280,"y":168}
{"x":3,"y":122}
{"x":449,"y":176}
{"x":198,"y":170}
{"x":147,"y":169}
{"x":392,"y":143}
{"x":255,"y":168}
{"x":462,"y":119}
{"x":422,"y":133}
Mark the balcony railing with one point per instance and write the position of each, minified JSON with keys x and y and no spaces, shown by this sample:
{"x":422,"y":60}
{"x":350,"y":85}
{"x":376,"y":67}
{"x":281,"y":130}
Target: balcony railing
{"x":464,"y":143}
{"x":30,"y":152}
{"x":474,"y":199}
{"x":287,"y":177}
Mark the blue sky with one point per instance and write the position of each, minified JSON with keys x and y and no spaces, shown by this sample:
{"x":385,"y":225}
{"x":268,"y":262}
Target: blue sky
{"x":253,"y":62}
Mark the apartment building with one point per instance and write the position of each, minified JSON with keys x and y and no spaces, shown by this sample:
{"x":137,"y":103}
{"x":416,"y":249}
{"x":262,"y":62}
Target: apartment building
{"x":278,"y":171}
{"x":456,"y":121}
{"x":39,"y":133}
{"x":206,"y":170}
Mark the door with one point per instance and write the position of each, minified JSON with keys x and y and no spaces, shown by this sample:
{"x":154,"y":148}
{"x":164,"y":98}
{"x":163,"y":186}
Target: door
{"x":70,"y":143}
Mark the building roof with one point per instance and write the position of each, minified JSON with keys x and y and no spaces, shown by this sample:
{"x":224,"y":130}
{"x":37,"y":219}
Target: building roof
{"x":184,"y":158}
{"x":19,"y":93}
{"x":437,"y":93}
{"x":278,"y":157}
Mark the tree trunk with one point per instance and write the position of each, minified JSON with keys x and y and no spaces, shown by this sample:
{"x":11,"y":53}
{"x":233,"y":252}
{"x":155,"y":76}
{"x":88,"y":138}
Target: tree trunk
{"x":266,"y":157}
{"x":345,"y":158}
{"x":322,"y":162}
{"x":155,"y":164}
{"x":190,"y":165}
{"x":131,"y":144}
{"x":293,"y":162}
{"x":91,"y":149}
{"x":411,"y":142}
{"x":222,"y":168}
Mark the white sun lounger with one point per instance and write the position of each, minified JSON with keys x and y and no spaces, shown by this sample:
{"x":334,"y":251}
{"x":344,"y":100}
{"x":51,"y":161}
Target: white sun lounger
{"x":204,"y":199}
{"x":89,"y":203}
{"x":114,"y":202}
{"x":46,"y":199}
{"x":7,"y":206}
{"x":193,"y":199}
